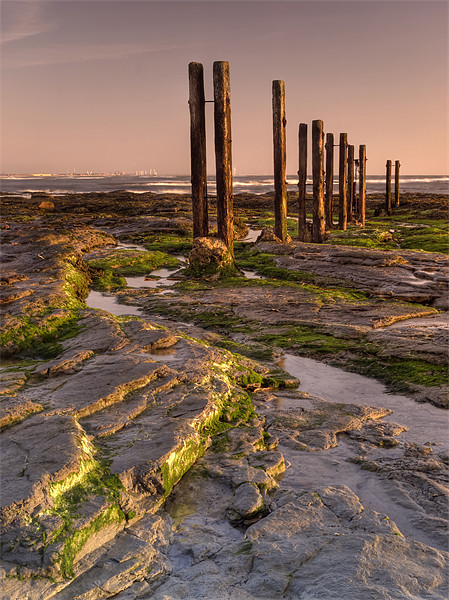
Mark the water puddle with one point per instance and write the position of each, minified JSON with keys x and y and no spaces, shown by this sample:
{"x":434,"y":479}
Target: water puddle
{"x":163,"y":354}
{"x":121,"y":246}
{"x":426,"y":423}
{"x":252,"y":236}
{"x":161,"y":278}
{"x":111,"y":305}
{"x":251,"y":274}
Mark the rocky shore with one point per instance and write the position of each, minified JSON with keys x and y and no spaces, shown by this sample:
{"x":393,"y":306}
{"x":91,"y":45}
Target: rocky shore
{"x":168,"y":455}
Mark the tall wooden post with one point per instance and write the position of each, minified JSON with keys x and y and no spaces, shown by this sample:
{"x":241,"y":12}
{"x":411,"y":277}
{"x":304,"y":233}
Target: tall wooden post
{"x":350,"y":199}
{"x":198,"y":150}
{"x":362,"y":185}
{"x":280,"y":160}
{"x":388,"y":188}
{"x":342,"y":173}
{"x":302,"y":178}
{"x":328,"y":201}
{"x":223,"y":153}
{"x":397,"y":164}
{"x":318,"y":181}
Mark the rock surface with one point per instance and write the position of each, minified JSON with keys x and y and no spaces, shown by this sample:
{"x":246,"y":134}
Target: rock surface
{"x":135,"y":467}
{"x":405,"y":274}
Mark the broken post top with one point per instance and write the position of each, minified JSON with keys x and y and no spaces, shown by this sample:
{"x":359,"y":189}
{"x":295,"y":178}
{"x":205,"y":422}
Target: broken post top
{"x":278,"y":84}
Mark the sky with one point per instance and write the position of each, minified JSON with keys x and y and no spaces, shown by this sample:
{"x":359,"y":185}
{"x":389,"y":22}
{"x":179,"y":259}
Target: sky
{"x":102,"y":85}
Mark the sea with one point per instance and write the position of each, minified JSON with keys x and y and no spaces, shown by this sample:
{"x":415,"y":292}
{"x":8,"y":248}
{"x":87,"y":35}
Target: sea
{"x":180,"y":184}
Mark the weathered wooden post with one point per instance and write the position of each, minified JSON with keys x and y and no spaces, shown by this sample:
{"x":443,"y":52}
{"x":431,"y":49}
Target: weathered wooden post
{"x":350,"y":199}
{"x":328,"y":201}
{"x":397,"y":164}
{"x":388,"y":189}
{"x":354,"y":195}
{"x":223,"y":153}
{"x":280,"y":160}
{"x":342,"y":173}
{"x":302,"y":178}
{"x":362,"y":185}
{"x":198,"y":150}
{"x":318,"y":181}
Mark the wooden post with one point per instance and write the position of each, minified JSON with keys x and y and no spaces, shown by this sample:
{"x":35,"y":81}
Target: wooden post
{"x":302,"y":178}
{"x":328,"y":201}
{"x":388,"y":189}
{"x":198,"y":150}
{"x":342,"y":173}
{"x":223,"y":153}
{"x":354,"y":195}
{"x":397,"y":164}
{"x":318,"y":181}
{"x":350,"y":199}
{"x":362,"y":185}
{"x":280,"y":160}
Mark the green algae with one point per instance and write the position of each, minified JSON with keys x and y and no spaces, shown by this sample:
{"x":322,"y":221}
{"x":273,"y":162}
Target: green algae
{"x":173,"y":243}
{"x":107,"y":281}
{"x":310,"y":340}
{"x":113,"y":515}
{"x":265,"y":264}
{"x":220,"y":442}
{"x":109,"y":273}
{"x":254,"y":351}
{"x":180,"y":461}
{"x":40,"y":333}
{"x":92,"y":479}
{"x":133,"y":262}
{"x":398,"y":373}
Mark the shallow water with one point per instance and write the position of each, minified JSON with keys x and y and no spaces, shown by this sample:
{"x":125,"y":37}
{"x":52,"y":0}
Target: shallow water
{"x":310,"y":470}
{"x":251,"y":274}
{"x":162,"y":279}
{"x":425,"y":422}
{"x":110,"y":304}
{"x":252,"y":236}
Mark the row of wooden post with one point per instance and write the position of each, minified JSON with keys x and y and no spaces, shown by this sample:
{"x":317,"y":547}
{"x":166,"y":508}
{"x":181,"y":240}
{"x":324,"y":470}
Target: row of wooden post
{"x":322,"y":186}
{"x":223,"y":151}
{"x":397,"y":165}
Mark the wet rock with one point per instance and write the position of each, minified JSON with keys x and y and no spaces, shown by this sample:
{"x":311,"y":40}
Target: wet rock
{"x":267,"y":235}
{"x":378,"y":433}
{"x":149,"y":339}
{"x":247,"y":502}
{"x":309,"y":534}
{"x":210,"y":256}
{"x":39,"y":450}
{"x":270,"y":461}
{"x":386,"y":274}
{"x":47,"y":205}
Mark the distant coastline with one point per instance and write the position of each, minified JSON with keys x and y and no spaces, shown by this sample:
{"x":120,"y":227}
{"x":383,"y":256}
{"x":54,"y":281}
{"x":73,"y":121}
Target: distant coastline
{"x":251,"y":184}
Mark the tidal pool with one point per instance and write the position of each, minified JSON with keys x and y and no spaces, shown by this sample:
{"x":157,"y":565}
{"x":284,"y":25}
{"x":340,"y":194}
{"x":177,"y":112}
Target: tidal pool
{"x":110,"y":304}
{"x":426,"y":423}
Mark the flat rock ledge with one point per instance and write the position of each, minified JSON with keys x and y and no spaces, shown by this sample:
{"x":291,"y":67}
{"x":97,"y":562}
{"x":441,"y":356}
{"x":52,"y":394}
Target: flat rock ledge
{"x":405,"y":275}
{"x":120,"y":415}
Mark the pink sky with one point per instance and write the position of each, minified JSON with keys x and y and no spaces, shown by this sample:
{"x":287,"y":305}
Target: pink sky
{"x":102,"y":85}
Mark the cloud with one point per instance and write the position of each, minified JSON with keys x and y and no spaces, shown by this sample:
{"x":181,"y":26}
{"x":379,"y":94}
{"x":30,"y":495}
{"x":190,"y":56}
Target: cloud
{"x":53,"y":54}
{"x":23,"y":19}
